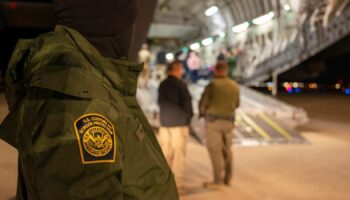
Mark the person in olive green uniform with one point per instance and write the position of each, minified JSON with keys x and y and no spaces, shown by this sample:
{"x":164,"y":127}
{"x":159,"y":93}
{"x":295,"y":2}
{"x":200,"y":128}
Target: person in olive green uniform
{"x":74,"y":117}
{"x":218,"y":104}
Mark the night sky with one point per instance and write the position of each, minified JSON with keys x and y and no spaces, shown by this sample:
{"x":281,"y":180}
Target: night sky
{"x":329,"y":66}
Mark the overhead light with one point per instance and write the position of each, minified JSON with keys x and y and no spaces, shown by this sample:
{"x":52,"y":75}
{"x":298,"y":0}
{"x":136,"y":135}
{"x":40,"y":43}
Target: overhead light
{"x":185,"y":50}
{"x":195,"y":46}
{"x":264,"y":19}
{"x":207,"y":41}
{"x":164,"y":8}
{"x":222,"y":34}
{"x":286,"y":7}
{"x":240,"y":27}
{"x":169,"y":56}
{"x":211,"y":11}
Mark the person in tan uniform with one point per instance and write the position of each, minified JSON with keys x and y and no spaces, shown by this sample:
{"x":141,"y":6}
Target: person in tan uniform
{"x":145,"y":57}
{"x":218,"y":104}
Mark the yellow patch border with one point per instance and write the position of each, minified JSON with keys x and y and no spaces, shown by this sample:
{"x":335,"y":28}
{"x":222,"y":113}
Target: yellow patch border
{"x":79,"y":141}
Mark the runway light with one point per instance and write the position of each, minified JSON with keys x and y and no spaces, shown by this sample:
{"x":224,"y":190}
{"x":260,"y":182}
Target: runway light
{"x":195,"y":46}
{"x":286,"y":7}
{"x":207,"y":41}
{"x":313,"y":86}
{"x":240,"y":27}
{"x":337,"y":86}
{"x":12,"y":5}
{"x":295,"y":85}
{"x":347,"y":91}
{"x":169,"y":56}
{"x":264,"y":19}
{"x":211,"y":11}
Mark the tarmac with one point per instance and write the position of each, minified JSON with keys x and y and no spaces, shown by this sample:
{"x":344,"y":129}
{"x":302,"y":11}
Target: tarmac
{"x":315,"y":171}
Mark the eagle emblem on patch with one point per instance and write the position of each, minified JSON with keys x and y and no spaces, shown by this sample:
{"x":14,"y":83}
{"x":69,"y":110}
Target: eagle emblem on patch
{"x":96,"y":138}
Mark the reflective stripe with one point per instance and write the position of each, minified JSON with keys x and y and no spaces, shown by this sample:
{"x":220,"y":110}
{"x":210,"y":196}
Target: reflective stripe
{"x":279,"y":129}
{"x":261,"y":131}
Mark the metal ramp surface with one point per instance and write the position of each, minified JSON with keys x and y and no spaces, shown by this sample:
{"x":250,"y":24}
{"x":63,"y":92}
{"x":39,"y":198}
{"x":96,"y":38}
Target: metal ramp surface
{"x":255,"y":130}
{"x":263,"y":129}
{"x":255,"y":124}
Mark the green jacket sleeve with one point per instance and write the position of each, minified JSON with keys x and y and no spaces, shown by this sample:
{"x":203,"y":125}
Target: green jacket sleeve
{"x":205,"y":100}
{"x":72,"y":150}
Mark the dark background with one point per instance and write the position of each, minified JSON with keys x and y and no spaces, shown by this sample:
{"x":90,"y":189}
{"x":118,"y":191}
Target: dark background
{"x":27,"y":19}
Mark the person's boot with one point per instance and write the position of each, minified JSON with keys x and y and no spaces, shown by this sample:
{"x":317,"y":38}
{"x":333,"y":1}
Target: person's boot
{"x":182,"y":191}
{"x":212,"y":185}
{"x":227,"y":182}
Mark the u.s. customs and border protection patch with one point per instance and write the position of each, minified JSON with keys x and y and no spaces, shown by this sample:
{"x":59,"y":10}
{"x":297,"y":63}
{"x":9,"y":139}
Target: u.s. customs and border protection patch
{"x":96,"y":138}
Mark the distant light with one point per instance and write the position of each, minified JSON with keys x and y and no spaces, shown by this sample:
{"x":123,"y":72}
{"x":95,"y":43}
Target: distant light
{"x":295,"y":85}
{"x":169,"y":56}
{"x":12,"y":5}
{"x":222,"y":34}
{"x":207,"y":41}
{"x":313,"y":86}
{"x":286,"y":84}
{"x":297,"y":90}
{"x":211,"y":11}
{"x":302,"y":85}
{"x":264,"y":19}
{"x":195,"y":46}
{"x":337,"y":86}
{"x":286,"y":7}
{"x":347,"y":91}
{"x":240,"y":27}
{"x":290,"y":90}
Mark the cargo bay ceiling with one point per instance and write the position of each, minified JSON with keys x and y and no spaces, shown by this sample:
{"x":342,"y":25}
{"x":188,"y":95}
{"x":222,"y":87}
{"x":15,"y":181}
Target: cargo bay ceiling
{"x":269,"y":36}
{"x":187,"y":19}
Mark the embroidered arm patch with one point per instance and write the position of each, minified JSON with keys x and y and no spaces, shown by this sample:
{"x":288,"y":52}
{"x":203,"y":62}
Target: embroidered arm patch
{"x":96,"y":138}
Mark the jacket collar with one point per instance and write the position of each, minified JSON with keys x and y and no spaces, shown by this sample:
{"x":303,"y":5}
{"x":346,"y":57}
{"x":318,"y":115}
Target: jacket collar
{"x":121,"y":74}
{"x":221,"y":77}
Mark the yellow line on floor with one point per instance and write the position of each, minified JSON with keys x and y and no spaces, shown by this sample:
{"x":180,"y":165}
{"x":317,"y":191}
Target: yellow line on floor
{"x":274,"y":125}
{"x":254,"y":125}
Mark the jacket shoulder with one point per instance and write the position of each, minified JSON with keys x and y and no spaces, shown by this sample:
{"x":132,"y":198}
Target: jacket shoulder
{"x":234,"y":84}
{"x":55,"y":49}
{"x":58,"y":65}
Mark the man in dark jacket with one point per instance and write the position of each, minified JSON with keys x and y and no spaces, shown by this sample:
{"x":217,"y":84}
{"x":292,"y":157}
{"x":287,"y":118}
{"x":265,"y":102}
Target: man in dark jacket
{"x":74,"y":117}
{"x":175,"y":117}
